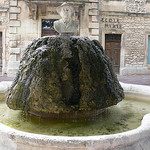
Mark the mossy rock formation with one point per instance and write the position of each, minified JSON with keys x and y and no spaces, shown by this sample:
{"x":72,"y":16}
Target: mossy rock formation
{"x":61,"y":76}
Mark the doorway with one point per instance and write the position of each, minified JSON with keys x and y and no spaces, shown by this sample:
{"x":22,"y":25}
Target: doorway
{"x":47,"y":27}
{"x":112,"y":47}
{"x":1,"y":51}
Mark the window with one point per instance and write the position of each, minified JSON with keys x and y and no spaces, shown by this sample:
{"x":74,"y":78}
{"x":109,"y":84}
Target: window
{"x":47,"y":27}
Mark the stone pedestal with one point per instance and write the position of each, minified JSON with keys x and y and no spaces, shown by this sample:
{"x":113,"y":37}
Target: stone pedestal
{"x":65,"y":76}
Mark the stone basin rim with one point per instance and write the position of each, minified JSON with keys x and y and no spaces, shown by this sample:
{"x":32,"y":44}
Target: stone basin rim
{"x":112,"y":141}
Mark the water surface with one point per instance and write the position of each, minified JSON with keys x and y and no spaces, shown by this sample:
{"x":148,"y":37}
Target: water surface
{"x":127,"y":115}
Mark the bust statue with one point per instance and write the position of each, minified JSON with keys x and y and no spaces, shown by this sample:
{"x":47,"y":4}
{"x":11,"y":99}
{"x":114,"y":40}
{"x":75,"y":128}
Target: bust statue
{"x":66,"y":26}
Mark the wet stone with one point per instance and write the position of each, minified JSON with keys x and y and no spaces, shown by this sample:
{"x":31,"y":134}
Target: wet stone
{"x":64,"y":77}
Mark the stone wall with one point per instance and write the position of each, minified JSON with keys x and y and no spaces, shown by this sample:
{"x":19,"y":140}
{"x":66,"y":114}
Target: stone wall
{"x":96,"y":18}
{"x":136,"y":6}
{"x":134,"y":40}
{"x":132,"y":23}
{"x":25,"y":24}
{"x":4,"y":23}
{"x":14,"y":38}
{"x":4,"y":3}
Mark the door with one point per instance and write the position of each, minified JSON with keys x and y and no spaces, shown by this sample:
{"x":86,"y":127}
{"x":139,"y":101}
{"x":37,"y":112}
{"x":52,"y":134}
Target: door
{"x":47,"y":27}
{"x":112,"y":47}
{"x":1,"y":51}
{"x":148,"y":56}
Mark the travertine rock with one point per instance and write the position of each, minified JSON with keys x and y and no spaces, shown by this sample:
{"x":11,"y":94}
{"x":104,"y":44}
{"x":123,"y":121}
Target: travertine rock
{"x":66,"y":26}
{"x":59,"y":76}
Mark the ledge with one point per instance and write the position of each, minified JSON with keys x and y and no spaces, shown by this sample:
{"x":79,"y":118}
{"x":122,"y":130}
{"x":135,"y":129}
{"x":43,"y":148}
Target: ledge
{"x":124,"y":13}
{"x":2,"y":9}
{"x":49,"y":1}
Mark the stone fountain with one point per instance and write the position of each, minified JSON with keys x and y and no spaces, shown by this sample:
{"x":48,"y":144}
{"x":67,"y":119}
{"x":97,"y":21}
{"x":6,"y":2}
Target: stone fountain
{"x":65,"y":76}
{"x":68,"y":76}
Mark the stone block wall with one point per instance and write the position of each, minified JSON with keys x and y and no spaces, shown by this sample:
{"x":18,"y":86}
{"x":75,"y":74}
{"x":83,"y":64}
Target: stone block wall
{"x":14,"y":38}
{"x":4,"y":3}
{"x":136,"y":6}
{"x":25,"y":25}
{"x":134,"y":40}
{"x":4,"y":23}
{"x":132,"y":23}
{"x":94,"y":19}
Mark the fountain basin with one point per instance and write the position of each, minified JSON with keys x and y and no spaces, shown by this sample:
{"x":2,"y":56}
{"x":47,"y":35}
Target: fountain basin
{"x":131,"y":140}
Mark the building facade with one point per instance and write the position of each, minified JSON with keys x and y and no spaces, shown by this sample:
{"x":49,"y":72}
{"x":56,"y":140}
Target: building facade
{"x":121,"y":26}
{"x":4,"y":36}
{"x":124,"y":26}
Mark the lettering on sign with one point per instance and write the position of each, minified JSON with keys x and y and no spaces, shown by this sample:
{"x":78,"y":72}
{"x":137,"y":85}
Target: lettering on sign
{"x":110,"y":20}
{"x":111,"y":23}
{"x":113,"y":26}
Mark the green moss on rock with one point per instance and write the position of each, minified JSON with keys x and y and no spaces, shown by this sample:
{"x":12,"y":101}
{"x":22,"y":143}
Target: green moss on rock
{"x":64,"y":75}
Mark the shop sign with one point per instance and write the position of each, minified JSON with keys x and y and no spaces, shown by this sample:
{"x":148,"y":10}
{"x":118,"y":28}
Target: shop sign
{"x":111,"y":23}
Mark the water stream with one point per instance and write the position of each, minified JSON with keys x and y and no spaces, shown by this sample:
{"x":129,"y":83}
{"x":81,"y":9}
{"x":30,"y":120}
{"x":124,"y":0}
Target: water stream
{"x":127,"y":115}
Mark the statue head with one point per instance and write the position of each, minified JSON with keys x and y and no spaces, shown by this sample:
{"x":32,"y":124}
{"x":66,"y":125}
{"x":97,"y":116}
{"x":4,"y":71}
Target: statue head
{"x":66,"y":25}
{"x":65,"y":10}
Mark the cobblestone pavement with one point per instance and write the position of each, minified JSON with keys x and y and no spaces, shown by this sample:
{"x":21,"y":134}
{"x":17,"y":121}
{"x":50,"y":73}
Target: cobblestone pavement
{"x":132,"y":79}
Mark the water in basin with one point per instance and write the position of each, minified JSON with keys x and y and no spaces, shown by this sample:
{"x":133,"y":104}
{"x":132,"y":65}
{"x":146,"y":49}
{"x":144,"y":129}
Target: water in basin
{"x":127,"y":115}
